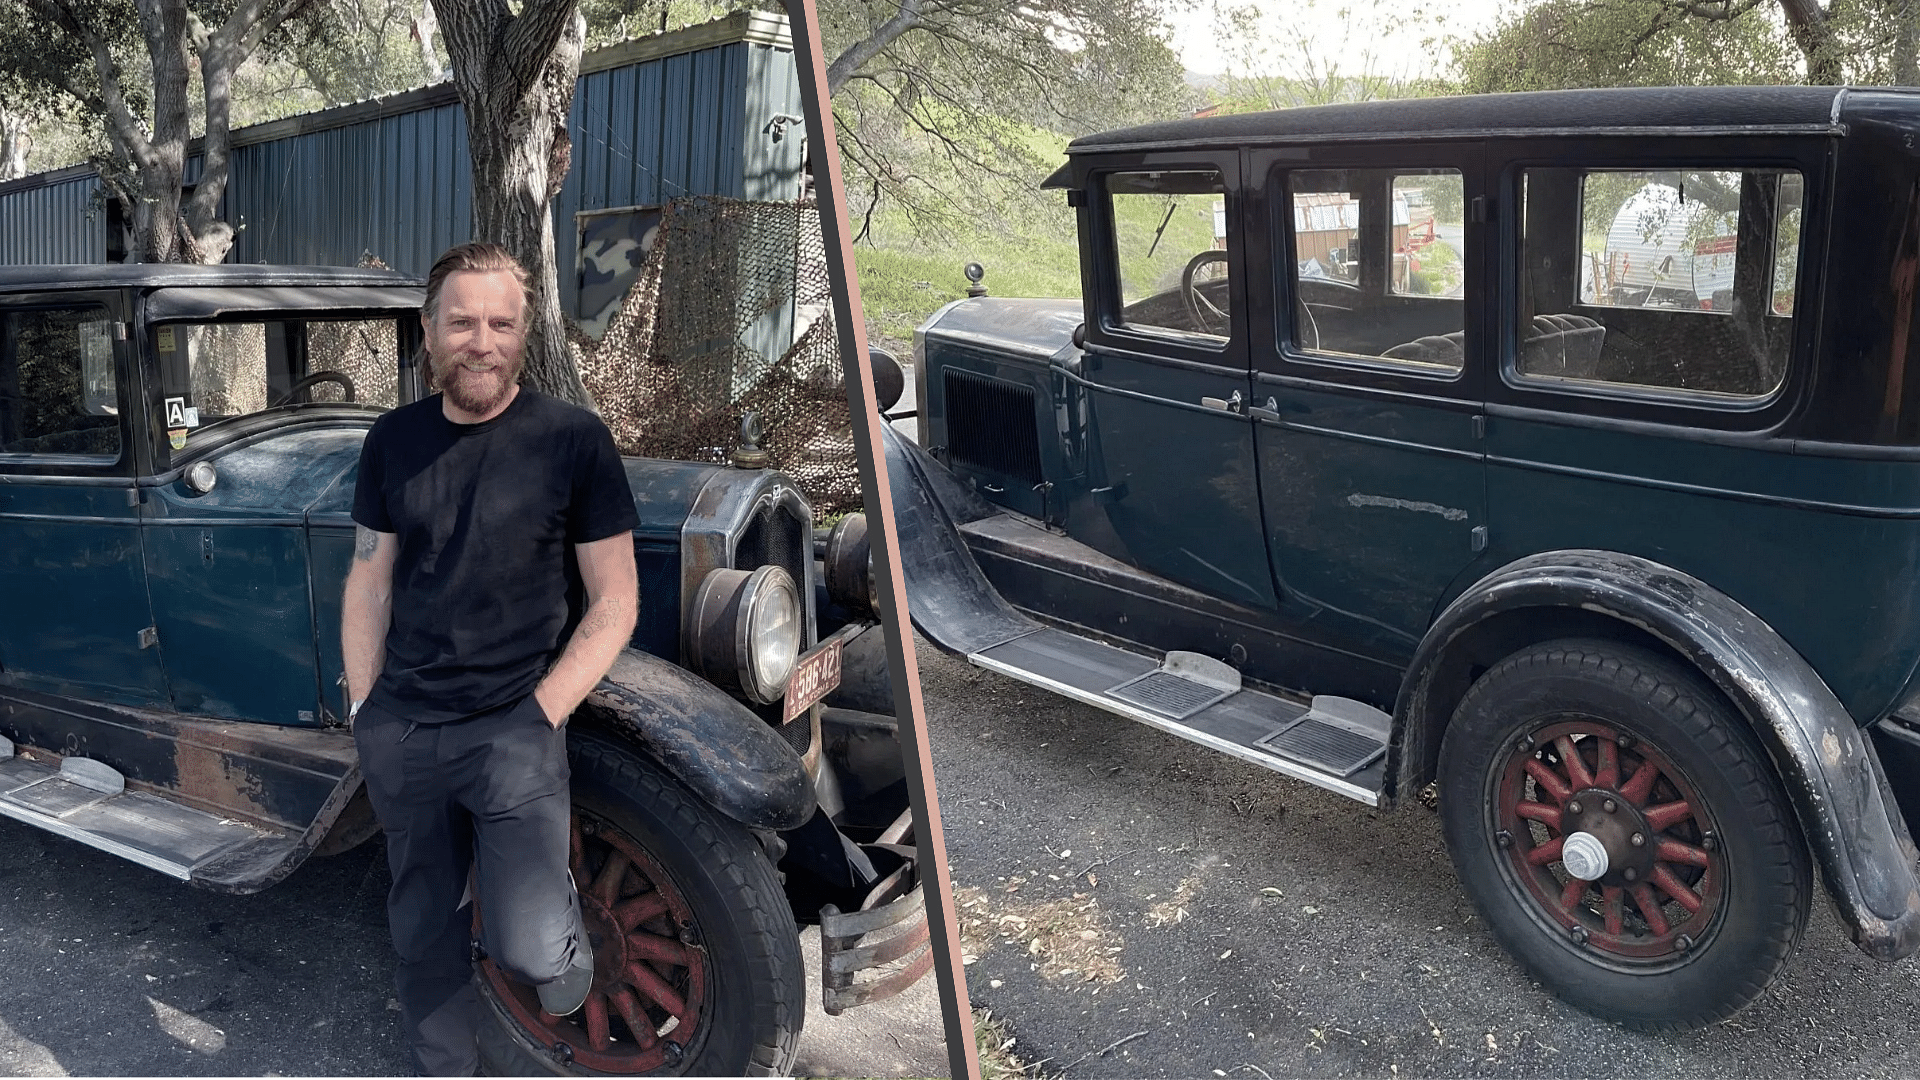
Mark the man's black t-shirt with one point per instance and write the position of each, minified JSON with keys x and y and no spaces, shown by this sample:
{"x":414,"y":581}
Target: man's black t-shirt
{"x":486,"y":588}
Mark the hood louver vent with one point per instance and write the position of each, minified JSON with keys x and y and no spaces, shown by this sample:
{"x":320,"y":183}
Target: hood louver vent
{"x":991,"y":426}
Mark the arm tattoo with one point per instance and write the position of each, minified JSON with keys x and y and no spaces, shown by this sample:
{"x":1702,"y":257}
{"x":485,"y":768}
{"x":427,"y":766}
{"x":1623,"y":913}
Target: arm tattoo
{"x":598,"y":618}
{"x":364,"y":541}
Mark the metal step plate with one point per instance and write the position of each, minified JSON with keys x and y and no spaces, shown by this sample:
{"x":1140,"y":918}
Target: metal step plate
{"x":1168,"y":694}
{"x":1315,"y":742}
{"x":139,"y":826}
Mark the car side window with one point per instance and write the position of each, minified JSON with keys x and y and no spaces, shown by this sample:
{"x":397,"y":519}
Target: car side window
{"x":58,"y":391}
{"x":1669,"y":279}
{"x":1171,"y":235}
{"x":1379,"y":265}
{"x":215,"y":371}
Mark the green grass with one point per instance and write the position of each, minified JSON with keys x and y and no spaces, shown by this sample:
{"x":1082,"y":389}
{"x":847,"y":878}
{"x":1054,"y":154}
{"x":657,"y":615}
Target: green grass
{"x":905,"y":278}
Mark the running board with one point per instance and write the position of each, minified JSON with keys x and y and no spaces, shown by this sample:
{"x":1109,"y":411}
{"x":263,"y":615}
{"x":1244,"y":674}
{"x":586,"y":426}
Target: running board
{"x":1336,"y":743}
{"x":88,"y":801}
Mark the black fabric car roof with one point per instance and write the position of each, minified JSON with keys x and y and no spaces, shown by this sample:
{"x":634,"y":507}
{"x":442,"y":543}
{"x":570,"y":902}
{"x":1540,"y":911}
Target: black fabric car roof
{"x":1696,"y":108}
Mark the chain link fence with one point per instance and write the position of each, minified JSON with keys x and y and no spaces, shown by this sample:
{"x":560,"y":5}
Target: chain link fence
{"x":707,"y":333}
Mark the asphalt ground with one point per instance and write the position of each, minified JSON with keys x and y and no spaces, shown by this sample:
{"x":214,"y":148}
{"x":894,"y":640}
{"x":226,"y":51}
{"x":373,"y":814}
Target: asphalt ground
{"x":1136,"y":905}
{"x":113,"y":970}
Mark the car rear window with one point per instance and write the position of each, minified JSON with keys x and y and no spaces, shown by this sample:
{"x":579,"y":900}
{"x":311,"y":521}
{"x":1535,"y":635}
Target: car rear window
{"x":58,"y":393}
{"x":1379,"y":267}
{"x":1662,"y":280}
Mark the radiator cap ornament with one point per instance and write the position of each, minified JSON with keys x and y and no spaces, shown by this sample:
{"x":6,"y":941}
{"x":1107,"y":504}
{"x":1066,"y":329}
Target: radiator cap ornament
{"x":749,"y":454}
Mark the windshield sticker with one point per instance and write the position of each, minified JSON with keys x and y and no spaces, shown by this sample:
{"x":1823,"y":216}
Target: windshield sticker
{"x":177,"y":413}
{"x":177,"y":438}
{"x":193,"y":416}
{"x":166,"y":339}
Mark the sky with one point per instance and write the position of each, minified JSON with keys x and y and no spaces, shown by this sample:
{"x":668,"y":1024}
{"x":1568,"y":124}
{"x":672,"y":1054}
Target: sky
{"x":1376,"y":37}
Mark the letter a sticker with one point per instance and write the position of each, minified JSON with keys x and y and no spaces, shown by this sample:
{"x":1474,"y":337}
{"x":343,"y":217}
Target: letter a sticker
{"x":177,"y":412}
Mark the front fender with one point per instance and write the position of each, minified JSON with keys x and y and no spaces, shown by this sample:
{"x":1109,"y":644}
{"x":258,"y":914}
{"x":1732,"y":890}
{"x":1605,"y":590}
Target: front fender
{"x":948,"y":597}
{"x":713,"y":744}
{"x":1835,"y":782}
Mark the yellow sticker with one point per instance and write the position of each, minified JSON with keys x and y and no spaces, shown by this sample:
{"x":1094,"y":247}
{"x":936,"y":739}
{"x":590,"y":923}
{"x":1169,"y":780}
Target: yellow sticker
{"x":178,"y":437}
{"x":166,"y":339}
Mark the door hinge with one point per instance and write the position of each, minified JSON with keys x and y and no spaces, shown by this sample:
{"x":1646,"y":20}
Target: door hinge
{"x":119,"y":331}
{"x":1479,"y":425}
{"x":1479,"y":539}
{"x":1478,"y":209}
{"x":149,"y":637}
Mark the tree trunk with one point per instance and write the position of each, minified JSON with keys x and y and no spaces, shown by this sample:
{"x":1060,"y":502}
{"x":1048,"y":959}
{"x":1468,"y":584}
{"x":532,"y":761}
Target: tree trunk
{"x":15,"y":144}
{"x":156,"y":220}
{"x":1906,"y":43}
{"x":516,"y":77}
{"x":1813,"y":34}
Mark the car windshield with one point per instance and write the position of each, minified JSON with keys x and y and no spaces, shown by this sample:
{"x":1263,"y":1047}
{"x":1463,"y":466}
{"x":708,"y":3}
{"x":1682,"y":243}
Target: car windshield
{"x":212,"y":372}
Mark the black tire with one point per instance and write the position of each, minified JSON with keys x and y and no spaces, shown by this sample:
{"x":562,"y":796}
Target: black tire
{"x":1737,"y":851}
{"x":754,"y":997}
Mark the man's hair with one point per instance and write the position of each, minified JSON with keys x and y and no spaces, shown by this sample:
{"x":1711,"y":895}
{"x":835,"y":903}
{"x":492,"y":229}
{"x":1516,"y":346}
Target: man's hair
{"x":478,"y":256}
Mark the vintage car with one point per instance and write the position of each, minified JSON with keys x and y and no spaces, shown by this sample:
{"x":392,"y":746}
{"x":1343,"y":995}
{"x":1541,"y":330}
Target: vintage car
{"x":174,"y":535}
{"x":1379,"y":453}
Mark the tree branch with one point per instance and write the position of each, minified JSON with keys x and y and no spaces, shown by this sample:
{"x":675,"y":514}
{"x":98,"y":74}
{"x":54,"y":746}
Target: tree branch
{"x":529,"y":40}
{"x":907,"y":17}
{"x":113,"y":99}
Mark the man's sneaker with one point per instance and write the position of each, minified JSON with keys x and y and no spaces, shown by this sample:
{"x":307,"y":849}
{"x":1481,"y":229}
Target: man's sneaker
{"x":567,"y":993}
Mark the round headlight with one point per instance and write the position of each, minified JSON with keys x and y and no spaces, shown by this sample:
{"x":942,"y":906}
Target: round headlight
{"x":744,"y":629}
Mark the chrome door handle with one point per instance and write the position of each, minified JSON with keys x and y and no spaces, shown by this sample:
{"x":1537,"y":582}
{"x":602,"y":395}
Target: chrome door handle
{"x":1233,"y":404}
{"x":1271,"y":411}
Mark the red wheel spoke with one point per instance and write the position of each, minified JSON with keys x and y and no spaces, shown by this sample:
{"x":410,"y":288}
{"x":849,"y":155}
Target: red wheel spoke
{"x":1572,"y":893}
{"x":1608,"y":774}
{"x":640,"y":909}
{"x":1575,"y":765}
{"x":597,"y":1031}
{"x":1670,"y":885}
{"x":1640,"y":786}
{"x":577,"y":853}
{"x":1666,"y":815}
{"x":637,"y":1022}
{"x":1545,"y":777}
{"x":607,"y":885}
{"x":1546,"y":853}
{"x":1540,"y":812}
{"x":1612,"y":908}
{"x":1643,"y":898}
{"x":654,"y":988}
{"x":1675,"y":851}
{"x":644,"y":946}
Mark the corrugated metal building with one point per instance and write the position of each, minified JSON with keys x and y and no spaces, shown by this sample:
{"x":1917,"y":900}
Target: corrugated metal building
{"x":710,"y":110}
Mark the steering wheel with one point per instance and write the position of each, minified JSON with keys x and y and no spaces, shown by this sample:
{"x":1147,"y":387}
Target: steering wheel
{"x":1204,"y":311}
{"x":346,"y":385}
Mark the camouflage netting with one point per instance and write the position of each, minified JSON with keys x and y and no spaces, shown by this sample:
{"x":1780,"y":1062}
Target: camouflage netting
{"x":692,"y":347}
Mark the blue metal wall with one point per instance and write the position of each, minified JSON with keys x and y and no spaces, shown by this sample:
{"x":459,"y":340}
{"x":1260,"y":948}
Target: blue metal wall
{"x":53,"y":219}
{"x":397,"y":186}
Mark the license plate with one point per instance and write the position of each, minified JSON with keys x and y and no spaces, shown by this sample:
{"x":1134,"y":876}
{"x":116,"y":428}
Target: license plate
{"x":814,"y":677}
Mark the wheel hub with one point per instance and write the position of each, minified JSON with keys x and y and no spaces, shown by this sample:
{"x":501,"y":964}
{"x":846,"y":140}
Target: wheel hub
{"x":1618,"y":827}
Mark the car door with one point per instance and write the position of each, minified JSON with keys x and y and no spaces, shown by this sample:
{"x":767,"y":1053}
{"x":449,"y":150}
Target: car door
{"x":1366,"y":395}
{"x":1170,"y":445}
{"x":75,"y":618}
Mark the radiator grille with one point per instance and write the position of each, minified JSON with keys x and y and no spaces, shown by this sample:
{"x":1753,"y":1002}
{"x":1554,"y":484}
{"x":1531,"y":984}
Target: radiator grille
{"x":775,"y":536}
{"x":991,"y":426}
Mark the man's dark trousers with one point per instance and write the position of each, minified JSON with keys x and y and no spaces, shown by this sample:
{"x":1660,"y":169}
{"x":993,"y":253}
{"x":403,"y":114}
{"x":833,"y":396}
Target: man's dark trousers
{"x":488,"y":792}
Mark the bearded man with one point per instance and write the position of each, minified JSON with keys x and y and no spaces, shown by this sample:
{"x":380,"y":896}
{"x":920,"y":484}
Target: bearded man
{"x":492,"y":586}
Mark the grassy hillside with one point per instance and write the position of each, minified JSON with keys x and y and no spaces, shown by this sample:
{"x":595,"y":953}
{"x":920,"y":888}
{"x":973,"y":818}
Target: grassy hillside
{"x":1026,"y":239}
